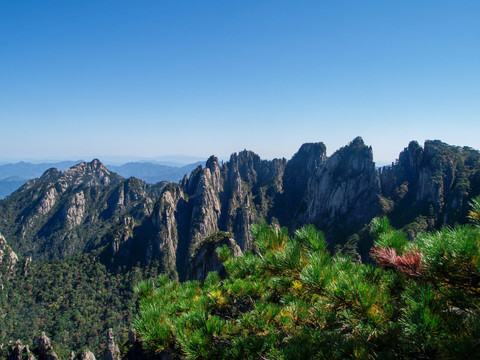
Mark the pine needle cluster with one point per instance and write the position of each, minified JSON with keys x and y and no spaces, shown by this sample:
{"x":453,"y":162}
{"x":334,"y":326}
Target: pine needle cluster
{"x":292,"y":299}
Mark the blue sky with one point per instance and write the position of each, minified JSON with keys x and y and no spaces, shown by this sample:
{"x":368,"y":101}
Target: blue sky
{"x":82,"y":79}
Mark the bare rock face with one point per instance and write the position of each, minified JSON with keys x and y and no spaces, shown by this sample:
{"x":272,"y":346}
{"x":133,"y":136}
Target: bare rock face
{"x":206,"y":202}
{"x":298,"y":171}
{"x":228,"y":198}
{"x":45,"y":349}
{"x":342,"y":195}
{"x":111,"y":352}
{"x":93,"y":173}
{"x":7,"y":257}
{"x":205,"y":260}
{"x":251,"y":185}
{"x":168,"y":214}
{"x":75,"y":210}
{"x":8,"y":260}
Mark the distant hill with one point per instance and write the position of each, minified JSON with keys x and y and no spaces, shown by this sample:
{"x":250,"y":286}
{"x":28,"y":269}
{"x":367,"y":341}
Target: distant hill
{"x":12,"y":176}
{"x":27,"y":170}
{"x":10,"y":184}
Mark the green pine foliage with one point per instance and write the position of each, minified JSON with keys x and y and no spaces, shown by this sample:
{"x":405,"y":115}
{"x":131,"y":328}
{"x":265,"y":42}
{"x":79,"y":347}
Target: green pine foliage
{"x":291,"y":299}
{"x":474,"y":214}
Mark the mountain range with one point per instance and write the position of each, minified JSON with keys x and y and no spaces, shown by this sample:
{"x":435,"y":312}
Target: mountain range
{"x":75,"y":241}
{"x":90,"y":208}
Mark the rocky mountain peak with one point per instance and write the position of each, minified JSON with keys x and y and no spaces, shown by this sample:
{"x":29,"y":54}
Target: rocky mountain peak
{"x":410,"y":158}
{"x":308,"y":157}
{"x":92,"y":173}
{"x":244,"y":161}
{"x":298,"y":171}
{"x":51,"y":174}
{"x":357,"y":142}
{"x":111,"y":352}
{"x":212,"y":163}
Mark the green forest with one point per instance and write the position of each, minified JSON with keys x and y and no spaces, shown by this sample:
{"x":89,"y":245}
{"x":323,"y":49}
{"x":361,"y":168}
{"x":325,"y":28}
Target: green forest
{"x":292,"y":299}
{"x":73,"y":300}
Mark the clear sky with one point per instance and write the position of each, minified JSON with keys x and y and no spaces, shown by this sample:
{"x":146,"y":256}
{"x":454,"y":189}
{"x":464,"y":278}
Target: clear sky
{"x":82,"y":79}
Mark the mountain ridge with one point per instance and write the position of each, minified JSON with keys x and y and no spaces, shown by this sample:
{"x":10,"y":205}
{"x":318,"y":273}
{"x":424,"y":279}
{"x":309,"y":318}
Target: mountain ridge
{"x":88,"y":207}
{"x":13,"y":176}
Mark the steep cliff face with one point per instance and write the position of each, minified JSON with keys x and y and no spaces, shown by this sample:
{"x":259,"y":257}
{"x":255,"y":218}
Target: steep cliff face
{"x":250,"y":187}
{"x":298,"y":171}
{"x":204,"y":190}
{"x":169,"y":219}
{"x":342,"y":195}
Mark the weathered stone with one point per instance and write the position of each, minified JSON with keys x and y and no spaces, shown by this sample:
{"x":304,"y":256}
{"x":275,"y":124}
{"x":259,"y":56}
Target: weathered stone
{"x":111,"y":351}
{"x":7,"y":257}
{"x":205,"y":259}
{"x":45,"y":348}
{"x":86,"y":355}
{"x":53,"y":210}
{"x":18,"y":351}
{"x":8,"y":261}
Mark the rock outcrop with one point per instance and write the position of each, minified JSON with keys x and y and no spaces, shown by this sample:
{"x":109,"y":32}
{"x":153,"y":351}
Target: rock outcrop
{"x":111,"y":351}
{"x":8,"y":261}
{"x":436,"y":181}
{"x":298,"y":171}
{"x":205,"y":259}
{"x":216,"y":198}
{"x":45,"y":349}
{"x":86,"y":355}
{"x":8,"y":258}
{"x":18,"y":351}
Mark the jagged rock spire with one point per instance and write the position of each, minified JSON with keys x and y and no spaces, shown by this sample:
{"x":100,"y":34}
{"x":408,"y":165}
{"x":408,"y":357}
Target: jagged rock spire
{"x":111,"y":352}
{"x":45,"y":348}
